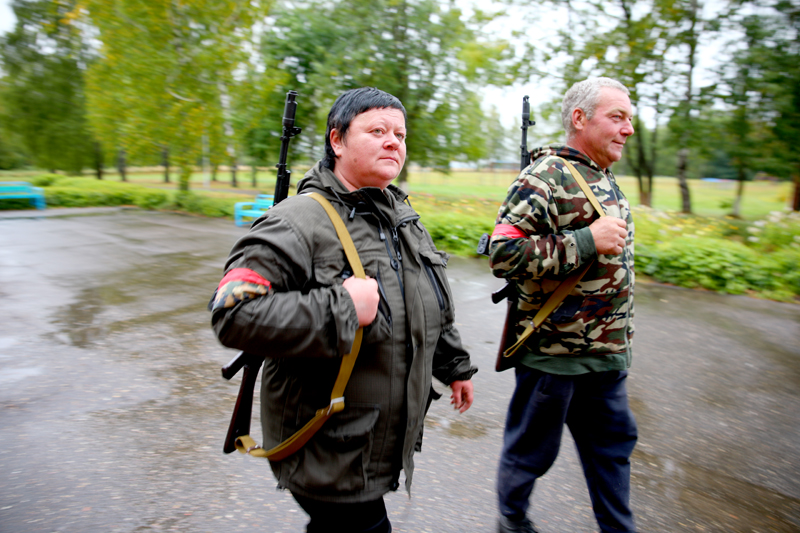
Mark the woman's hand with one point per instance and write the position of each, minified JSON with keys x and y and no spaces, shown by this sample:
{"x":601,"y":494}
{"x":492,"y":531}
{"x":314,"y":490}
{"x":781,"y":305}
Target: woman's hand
{"x":365,"y":296}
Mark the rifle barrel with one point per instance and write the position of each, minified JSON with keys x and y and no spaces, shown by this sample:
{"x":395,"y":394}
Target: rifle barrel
{"x":289,"y":131}
{"x":525,"y":155}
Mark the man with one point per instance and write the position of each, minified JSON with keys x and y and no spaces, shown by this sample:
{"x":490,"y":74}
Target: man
{"x":574,"y":367}
{"x":299,"y":305}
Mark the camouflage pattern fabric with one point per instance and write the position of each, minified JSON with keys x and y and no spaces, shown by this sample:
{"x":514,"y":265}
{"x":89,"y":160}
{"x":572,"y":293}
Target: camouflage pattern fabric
{"x":541,"y":237}
{"x":238,"y":285}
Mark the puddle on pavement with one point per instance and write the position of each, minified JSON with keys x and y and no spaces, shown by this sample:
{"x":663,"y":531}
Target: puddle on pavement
{"x":456,"y":428}
{"x":704,"y":500}
{"x":127,"y":301}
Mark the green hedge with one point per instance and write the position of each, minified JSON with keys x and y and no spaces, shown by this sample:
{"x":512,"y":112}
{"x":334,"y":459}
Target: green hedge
{"x":63,"y":191}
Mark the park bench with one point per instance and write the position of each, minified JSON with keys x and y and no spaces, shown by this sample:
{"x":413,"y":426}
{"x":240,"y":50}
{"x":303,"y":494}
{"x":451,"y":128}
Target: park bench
{"x":252,"y":210}
{"x":22,"y":189}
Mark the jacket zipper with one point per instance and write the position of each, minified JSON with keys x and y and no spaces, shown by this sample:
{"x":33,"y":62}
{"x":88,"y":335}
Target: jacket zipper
{"x":614,"y":189}
{"x":387,"y":313}
{"x":395,"y":263}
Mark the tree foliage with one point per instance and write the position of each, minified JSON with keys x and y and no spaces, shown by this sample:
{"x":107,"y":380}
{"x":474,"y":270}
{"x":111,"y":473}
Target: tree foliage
{"x":760,"y":88}
{"x":429,"y":54}
{"x":42,"y":87}
{"x":165,"y":75}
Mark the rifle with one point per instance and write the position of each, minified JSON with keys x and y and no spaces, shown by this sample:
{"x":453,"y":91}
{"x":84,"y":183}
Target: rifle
{"x":525,"y":156}
{"x":242,"y":411}
{"x":525,"y":160}
{"x":509,"y":291}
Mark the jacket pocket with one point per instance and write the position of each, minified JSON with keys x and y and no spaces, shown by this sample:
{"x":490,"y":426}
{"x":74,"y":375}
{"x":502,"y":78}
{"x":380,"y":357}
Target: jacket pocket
{"x":335,"y":460}
{"x":434,"y":263}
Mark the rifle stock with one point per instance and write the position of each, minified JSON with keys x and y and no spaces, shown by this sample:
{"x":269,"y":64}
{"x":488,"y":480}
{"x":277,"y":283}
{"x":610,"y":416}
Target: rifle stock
{"x":242,"y":411}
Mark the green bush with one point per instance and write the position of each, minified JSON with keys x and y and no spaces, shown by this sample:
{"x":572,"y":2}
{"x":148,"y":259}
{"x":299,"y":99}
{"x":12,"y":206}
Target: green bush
{"x":72,"y":193}
{"x":786,"y":267}
{"x":45,"y":180}
{"x":152,"y":199}
{"x":61,"y":191}
{"x":456,"y":234}
{"x":778,"y":230}
{"x":208,"y":206}
{"x":719,"y":265}
{"x":15,"y":203}
{"x":653,"y":226}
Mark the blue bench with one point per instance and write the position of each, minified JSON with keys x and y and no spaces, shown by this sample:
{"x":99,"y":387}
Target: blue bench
{"x":22,"y":189}
{"x":252,"y":210}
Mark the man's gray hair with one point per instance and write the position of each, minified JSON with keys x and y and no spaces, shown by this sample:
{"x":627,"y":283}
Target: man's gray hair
{"x":585,"y":95}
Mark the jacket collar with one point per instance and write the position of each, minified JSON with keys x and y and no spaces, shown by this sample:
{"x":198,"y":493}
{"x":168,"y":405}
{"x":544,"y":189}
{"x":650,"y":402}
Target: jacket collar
{"x":567,"y":152}
{"x":390,"y":202}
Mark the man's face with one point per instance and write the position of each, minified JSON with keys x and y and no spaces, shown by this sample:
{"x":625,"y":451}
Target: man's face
{"x":603,"y":137}
{"x":373,"y":150}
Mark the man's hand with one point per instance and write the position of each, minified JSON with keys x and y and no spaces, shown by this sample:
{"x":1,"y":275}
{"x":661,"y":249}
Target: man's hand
{"x":609,"y":235}
{"x":364,"y":293}
{"x":461,"y":398}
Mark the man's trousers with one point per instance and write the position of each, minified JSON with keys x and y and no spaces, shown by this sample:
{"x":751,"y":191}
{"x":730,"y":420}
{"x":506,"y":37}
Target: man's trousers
{"x":594,"y":406}
{"x":329,"y":517}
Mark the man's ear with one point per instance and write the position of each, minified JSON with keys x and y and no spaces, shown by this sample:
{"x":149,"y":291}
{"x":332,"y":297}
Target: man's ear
{"x":578,"y":118}
{"x":336,"y":142}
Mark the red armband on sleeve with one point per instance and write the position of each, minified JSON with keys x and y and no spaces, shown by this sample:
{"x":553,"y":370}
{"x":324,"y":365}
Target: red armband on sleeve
{"x":507,"y":230}
{"x":238,"y":285}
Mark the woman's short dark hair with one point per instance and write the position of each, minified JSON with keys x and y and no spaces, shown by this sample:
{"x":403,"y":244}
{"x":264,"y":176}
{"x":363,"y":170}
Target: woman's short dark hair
{"x":347,"y":107}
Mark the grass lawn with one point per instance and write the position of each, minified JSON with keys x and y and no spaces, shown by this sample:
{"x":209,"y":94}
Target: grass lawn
{"x":708,"y":198}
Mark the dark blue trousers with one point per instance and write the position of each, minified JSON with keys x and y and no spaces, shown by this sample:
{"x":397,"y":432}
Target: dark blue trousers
{"x":594,"y":407}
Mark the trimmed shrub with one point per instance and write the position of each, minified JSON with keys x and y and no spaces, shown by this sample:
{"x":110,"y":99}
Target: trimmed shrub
{"x":456,"y":234}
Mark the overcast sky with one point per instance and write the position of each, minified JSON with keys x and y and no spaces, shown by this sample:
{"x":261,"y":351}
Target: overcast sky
{"x":7,"y":18}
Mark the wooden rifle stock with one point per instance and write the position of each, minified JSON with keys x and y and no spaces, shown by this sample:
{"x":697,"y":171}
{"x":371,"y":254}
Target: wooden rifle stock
{"x":508,"y":337}
{"x":242,"y":412}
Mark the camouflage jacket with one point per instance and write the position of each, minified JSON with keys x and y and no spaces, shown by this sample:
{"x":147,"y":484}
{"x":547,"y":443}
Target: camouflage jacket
{"x":541,"y":236}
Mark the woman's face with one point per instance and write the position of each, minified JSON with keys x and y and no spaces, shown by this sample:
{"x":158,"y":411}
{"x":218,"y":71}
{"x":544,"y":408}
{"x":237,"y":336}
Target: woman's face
{"x":373,"y":150}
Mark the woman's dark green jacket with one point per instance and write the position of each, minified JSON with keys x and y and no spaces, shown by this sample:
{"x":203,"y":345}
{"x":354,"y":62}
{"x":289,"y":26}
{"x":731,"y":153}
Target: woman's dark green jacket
{"x":305,"y":321}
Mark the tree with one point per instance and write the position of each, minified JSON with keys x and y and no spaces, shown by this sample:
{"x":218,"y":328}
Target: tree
{"x":760,"y":88}
{"x":625,"y":40}
{"x":686,"y":21}
{"x":783,"y":81}
{"x":164,"y":76}
{"x":428,"y":54}
{"x":43,"y":87}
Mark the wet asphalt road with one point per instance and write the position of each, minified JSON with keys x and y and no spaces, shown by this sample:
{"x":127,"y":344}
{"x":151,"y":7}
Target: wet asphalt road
{"x":113,"y":411}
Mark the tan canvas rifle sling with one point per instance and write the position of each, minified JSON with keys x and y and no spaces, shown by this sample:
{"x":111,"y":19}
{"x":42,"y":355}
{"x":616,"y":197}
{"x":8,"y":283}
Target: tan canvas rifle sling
{"x":568,"y":284}
{"x":245,"y":443}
